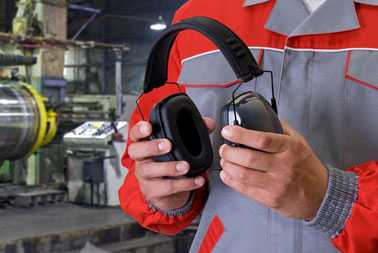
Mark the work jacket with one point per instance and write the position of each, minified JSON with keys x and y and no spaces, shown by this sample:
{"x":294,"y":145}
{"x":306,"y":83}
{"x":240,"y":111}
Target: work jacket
{"x":325,"y":66}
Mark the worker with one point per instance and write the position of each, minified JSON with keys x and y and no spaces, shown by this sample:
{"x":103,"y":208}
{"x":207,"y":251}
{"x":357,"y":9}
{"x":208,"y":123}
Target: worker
{"x":313,"y":189}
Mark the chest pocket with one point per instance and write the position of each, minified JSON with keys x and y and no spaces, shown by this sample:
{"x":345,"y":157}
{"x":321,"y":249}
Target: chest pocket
{"x":361,"y":77}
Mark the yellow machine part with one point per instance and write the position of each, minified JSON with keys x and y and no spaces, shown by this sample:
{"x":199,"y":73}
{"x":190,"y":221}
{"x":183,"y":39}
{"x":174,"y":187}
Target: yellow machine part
{"x":47,"y":125}
{"x":52,"y":127}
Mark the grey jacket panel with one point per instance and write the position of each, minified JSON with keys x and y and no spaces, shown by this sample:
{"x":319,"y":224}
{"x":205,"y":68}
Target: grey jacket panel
{"x":361,"y":142}
{"x":332,"y":16}
{"x":333,"y":112}
{"x":254,"y":2}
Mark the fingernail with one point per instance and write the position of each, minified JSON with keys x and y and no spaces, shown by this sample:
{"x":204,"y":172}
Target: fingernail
{"x":222,"y":175}
{"x":221,"y":150}
{"x":199,"y":181}
{"x":222,"y":162}
{"x":227,"y":132}
{"x":182,"y":166}
{"x":144,"y":129}
{"x":163,"y":146}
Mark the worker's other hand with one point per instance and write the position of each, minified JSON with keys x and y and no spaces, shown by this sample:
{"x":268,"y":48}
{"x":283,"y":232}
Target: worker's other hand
{"x":166,"y":194}
{"x":280,"y":170}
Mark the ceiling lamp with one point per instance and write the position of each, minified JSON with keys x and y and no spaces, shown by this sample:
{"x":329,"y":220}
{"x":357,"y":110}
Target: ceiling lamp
{"x":160,"y":25}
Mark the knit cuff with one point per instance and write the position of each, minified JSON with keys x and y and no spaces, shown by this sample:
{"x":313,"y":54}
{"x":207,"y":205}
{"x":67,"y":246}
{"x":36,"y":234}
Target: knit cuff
{"x":178,"y":211}
{"x":337,"y":204}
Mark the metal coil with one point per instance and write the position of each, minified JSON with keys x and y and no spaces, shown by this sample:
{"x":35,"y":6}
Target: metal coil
{"x":19,"y":119}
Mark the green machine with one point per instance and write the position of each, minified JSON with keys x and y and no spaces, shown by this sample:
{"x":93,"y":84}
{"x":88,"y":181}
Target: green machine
{"x":35,"y":53}
{"x":28,"y":120}
{"x":5,"y":172}
{"x":25,"y":122}
{"x":37,"y":19}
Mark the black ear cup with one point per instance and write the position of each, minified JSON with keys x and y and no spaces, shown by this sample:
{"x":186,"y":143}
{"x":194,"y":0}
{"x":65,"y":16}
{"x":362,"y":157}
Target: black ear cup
{"x":177,"y":119}
{"x":253,"y":112}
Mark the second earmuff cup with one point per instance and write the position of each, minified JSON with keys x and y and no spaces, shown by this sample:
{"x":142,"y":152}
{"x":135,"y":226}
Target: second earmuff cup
{"x":177,"y":118}
{"x":252,"y":111}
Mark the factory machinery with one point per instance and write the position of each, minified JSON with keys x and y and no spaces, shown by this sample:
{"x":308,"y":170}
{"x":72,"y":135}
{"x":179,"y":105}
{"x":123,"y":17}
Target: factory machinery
{"x":61,"y":139}
{"x":26,"y":122}
{"x":47,"y":149}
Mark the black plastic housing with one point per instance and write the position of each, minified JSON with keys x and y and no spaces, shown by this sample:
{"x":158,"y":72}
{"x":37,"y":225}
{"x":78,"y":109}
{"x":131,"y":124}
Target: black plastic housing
{"x":253,"y":112}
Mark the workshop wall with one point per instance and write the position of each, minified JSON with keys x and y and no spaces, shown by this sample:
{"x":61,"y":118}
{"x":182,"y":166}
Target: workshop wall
{"x":125,"y":21}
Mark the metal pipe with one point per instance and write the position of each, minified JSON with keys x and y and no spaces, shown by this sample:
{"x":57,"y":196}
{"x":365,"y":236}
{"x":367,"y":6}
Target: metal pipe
{"x":118,"y":83}
{"x":16,"y":60}
{"x":78,"y":7}
{"x":85,"y":25}
{"x":130,"y":17}
{"x":43,"y":42}
{"x":19,"y":121}
{"x":83,"y":65}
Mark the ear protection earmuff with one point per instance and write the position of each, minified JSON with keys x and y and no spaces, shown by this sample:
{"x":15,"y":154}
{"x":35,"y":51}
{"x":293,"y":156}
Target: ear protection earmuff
{"x":176,"y":117}
{"x":250,"y":110}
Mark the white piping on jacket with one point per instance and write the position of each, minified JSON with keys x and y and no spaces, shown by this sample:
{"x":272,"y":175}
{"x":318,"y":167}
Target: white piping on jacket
{"x":217,"y":51}
{"x":290,"y":48}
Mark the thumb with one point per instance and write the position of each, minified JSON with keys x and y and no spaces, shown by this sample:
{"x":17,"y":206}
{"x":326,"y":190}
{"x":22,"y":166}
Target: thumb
{"x":210,"y":123}
{"x":288,"y":130}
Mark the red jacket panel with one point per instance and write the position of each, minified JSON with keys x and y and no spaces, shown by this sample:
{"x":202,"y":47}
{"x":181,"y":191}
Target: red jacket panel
{"x":360,"y":234}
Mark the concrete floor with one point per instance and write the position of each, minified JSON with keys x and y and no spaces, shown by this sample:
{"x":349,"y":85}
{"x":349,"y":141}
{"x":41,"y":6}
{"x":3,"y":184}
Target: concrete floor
{"x":63,"y":227}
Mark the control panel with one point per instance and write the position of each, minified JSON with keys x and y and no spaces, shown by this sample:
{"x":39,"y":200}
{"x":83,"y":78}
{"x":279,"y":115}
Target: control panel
{"x":93,"y":133}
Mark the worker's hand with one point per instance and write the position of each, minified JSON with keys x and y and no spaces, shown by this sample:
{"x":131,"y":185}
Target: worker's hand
{"x":279,"y":171}
{"x":166,"y":194}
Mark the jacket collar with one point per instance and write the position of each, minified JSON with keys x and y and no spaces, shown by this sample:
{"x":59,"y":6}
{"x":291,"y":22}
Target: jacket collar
{"x":292,"y":17}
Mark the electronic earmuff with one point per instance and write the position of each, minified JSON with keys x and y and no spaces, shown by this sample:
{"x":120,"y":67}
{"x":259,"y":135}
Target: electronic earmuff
{"x":176,"y":117}
{"x":252,"y":111}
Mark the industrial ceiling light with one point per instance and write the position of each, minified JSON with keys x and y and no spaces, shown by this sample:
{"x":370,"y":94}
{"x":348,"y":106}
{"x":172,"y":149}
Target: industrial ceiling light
{"x":160,"y":25}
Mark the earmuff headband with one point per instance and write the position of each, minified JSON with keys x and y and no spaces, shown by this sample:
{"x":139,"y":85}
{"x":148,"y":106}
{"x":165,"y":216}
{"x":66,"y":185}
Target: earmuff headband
{"x":233,"y":48}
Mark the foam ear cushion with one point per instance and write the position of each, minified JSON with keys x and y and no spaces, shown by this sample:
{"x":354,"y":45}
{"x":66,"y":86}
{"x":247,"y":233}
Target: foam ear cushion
{"x":177,"y":119}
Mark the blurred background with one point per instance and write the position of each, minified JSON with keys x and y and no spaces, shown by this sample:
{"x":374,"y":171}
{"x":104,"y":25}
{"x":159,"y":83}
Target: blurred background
{"x":70,"y":72}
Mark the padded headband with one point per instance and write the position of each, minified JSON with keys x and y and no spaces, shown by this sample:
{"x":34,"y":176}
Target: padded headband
{"x":233,"y":48}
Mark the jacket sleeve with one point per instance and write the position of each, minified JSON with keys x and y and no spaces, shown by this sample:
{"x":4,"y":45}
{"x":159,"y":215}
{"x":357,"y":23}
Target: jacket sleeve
{"x":360,"y":233}
{"x":349,"y":211}
{"x":131,"y":198}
